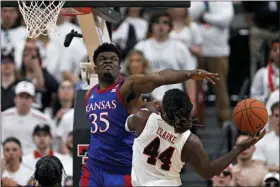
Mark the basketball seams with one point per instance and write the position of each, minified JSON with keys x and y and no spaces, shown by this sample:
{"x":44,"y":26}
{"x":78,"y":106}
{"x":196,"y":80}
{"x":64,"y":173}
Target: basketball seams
{"x":257,"y":116}
{"x":241,"y":110}
{"x":240,"y":123}
{"x":254,"y":113}
{"x":248,"y":118}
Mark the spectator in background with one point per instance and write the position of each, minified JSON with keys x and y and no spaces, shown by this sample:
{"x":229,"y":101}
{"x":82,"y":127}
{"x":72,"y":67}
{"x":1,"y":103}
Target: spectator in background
{"x":64,"y":128}
{"x":267,"y":150}
{"x":242,"y":171}
{"x":11,"y":165}
{"x":68,"y":160}
{"x":32,"y":70}
{"x":11,"y":31}
{"x":266,"y":80}
{"x":130,"y":31}
{"x":185,"y":30}
{"x":64,"y":100}
{"x":214,"y":19}
{"x":273,"y":98}
{"x":263,"y":18}
{"x":224,"y":179}
{"x":20,"y":121}
{"x":271,"y":180}
{"x":136,"y":63}
{"x":51,"y":53}
{"x":42,"y":138}
{"x":69,"y":66}
{"x":165,"y":53}
{"x":9,"y":81}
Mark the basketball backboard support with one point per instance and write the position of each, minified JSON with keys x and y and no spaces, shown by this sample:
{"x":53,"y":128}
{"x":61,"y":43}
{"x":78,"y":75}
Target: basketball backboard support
{"x":115,"y":3}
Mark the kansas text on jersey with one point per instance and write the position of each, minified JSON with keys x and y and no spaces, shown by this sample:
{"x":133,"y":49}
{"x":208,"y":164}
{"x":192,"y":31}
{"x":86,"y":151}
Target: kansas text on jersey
{"x":110,"y":146}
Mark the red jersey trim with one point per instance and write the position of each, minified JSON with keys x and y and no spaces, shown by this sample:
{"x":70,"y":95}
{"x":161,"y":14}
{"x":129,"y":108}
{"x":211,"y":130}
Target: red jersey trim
{"x":88,"y":94}
{"x":110,"y":87}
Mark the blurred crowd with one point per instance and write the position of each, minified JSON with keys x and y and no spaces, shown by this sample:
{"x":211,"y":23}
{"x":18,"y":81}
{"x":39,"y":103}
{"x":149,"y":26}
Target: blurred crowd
{"x":39,"y":78}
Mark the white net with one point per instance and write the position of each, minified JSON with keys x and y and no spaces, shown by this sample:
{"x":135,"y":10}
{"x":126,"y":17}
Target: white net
{"x":40,"y":16}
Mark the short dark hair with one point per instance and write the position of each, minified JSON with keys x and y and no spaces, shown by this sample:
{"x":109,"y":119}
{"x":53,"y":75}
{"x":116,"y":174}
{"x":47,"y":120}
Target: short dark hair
{"x":15,"y":140}
{"x":12,"y":139}
{"x":156,"y":16}
{"x":49,"y":171}
{"x":274,"y":106}
{"x":177,"y":106}
{"x":106,"y":47}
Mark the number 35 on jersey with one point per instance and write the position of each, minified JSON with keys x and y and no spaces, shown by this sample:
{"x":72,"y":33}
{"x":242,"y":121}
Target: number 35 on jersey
{"x":96,"y":119}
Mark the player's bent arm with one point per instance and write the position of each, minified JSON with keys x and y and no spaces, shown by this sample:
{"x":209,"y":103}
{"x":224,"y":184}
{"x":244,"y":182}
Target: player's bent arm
{"x":194,"y":153}
{"x":137,"y":122}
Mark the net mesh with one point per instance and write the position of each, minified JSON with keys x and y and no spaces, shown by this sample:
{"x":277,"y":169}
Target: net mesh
{"x":40,"y":16}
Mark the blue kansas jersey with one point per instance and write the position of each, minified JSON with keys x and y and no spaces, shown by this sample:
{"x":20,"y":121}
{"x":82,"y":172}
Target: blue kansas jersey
{"x":110,"y":146}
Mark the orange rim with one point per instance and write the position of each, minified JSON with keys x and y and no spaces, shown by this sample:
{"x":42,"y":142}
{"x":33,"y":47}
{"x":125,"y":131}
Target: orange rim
{"x":75,"y":11}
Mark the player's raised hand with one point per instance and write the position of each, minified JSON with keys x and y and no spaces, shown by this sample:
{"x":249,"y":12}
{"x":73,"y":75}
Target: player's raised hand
{"x":251,"y":140}
{"x":152,"y":106}
{"x":199,"y":74}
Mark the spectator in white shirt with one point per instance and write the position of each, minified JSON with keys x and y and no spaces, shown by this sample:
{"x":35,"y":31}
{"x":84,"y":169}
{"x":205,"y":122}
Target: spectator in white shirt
{"x":130,"y":31}
{"x":186,"y":30}
{"x":20,"y":121}
{"x":165,"y":53}
{"x":266,"y":80}
{"x":11,"y":32}
{"x":273,"y":98}
{"x":69,"y":67}
{"x":267,"y":150}
{"x":64,"y":100}
{"x":215,"y":18}
{"x":64,"y":128}
{"x":11,"y":165}
{"x":68,"y":160}
{"x":42,"y":138}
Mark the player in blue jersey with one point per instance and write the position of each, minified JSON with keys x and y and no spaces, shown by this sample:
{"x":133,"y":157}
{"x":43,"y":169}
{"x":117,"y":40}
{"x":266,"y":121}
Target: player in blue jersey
{"x":108,"y":104}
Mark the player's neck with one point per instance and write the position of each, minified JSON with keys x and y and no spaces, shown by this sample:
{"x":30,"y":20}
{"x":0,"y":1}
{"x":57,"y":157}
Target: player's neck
{"x":245,"y":163}
{"x":104,"y":85}
{"x":13,"y":167}
{"x":44,"y":152}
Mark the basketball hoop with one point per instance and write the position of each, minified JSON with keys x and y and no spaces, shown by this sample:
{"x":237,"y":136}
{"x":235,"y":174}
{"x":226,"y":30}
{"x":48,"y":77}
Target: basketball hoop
{"x":40,"y":17}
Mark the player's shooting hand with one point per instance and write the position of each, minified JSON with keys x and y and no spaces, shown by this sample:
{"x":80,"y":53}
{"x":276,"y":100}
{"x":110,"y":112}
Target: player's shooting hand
{"x":199,"y":74}
{"x":152,"y":106}
{"x":251,"y":140}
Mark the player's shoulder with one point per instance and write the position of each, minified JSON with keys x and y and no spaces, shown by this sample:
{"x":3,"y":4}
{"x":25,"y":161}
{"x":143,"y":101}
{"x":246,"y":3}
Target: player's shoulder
{"x":9,"y":112}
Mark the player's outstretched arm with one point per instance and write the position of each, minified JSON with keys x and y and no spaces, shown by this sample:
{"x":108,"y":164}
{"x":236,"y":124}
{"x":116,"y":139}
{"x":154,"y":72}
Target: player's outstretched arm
{"x":140,"y":84}
{"x":194,"y":153}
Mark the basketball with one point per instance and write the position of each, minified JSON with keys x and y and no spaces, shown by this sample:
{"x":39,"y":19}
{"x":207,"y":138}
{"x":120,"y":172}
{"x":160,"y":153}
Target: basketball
{"x":250,"y":116}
